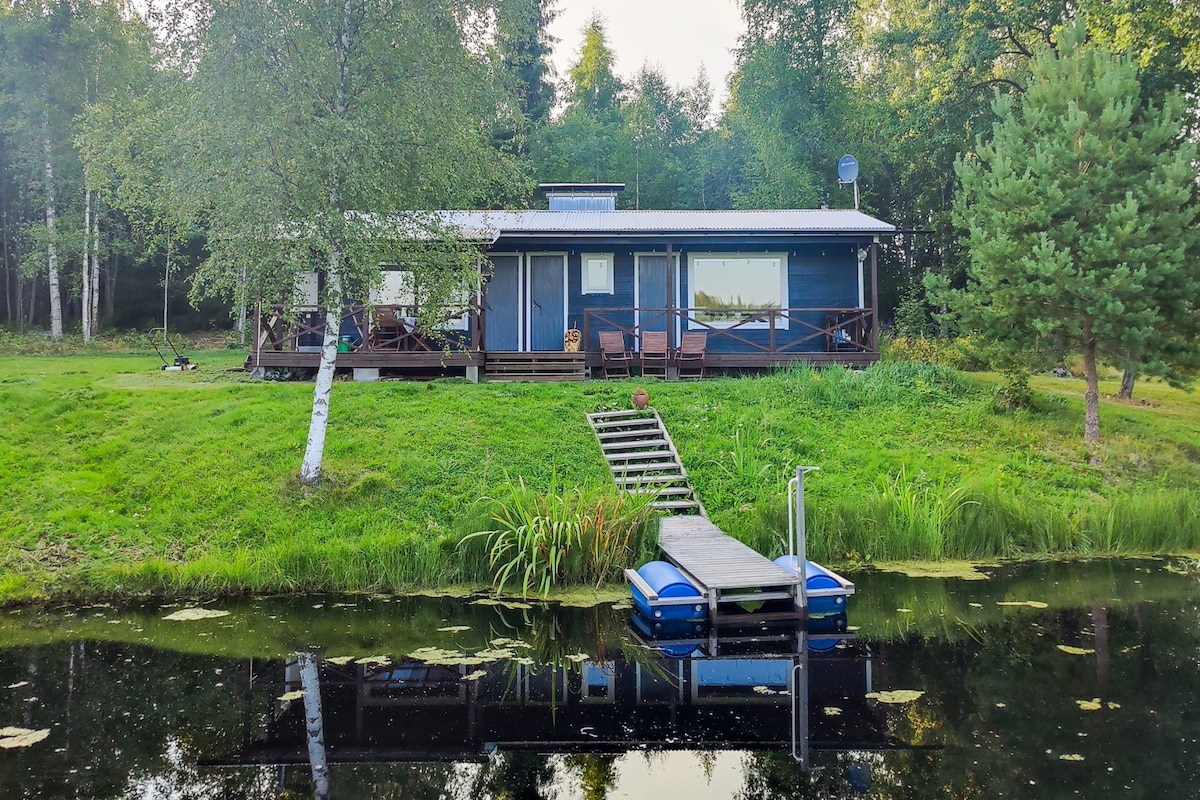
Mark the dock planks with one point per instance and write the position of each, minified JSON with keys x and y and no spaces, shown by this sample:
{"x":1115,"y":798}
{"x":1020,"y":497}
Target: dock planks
{"x":715,"y":558}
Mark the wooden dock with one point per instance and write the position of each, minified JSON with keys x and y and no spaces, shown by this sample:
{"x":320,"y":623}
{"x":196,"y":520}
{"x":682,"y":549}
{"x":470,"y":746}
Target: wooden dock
{"x":727,"y":571}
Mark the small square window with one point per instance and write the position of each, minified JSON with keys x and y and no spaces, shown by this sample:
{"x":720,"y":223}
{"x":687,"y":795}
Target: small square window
{"x":597,"y":273}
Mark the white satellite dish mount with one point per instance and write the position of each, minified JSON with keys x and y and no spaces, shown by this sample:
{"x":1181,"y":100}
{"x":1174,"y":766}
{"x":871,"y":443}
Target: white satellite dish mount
{"x":848,"y":173}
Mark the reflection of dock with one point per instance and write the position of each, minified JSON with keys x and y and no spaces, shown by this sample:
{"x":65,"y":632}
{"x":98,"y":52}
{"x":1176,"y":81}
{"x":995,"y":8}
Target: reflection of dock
{"x":727,"y":571}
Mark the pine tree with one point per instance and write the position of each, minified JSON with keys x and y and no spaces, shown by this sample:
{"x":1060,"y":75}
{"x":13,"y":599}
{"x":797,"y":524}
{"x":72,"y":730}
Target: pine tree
{"x":1081,"y":217}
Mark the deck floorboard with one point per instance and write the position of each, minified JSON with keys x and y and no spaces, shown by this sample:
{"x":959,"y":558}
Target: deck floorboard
{"x":716,"y":559}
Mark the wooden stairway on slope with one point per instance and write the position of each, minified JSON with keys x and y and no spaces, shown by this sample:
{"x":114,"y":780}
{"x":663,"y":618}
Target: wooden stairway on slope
{"x":643,"y":459}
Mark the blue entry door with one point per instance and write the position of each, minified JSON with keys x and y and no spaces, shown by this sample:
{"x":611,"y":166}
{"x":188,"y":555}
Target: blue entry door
{"x":652,"y":292}
{"x":547,"y":302}
{"x":502,"y":299}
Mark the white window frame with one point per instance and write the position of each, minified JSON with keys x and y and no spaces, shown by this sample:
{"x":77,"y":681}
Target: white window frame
{"x":607,"y":260}
{"x":781,"y":322}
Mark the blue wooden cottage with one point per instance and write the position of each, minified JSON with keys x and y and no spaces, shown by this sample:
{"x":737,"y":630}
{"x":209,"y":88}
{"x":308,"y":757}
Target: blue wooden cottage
{"x":764,"y":287}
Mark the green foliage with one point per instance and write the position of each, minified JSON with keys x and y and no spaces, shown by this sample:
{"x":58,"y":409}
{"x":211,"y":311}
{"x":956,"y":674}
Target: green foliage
{"x":961,"y":352}
{"x":561,"y":537}
{"x":1083,"y":243}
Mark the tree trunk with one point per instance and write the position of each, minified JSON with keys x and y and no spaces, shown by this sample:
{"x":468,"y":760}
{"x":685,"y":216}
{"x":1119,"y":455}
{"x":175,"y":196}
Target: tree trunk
{"x":110,"y":284}
{"x":243,"y":302}
{"x":310,"y":469}
{"x":56,"y":320}
{"x":314,"y":724}
{"x":95,"y":268}
{"x":1091,"y":397}
{"x":1126,"y":392}
{"x":8,"y":288}
{"x":85,"y":306}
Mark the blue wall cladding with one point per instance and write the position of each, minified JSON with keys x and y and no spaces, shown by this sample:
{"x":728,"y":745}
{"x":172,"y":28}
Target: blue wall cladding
{"x":622,"y":297}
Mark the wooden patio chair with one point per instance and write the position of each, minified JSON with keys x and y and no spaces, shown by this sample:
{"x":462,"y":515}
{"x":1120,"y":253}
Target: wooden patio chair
{"x":690,"y":358}
{"x":655,"y":354}
{"x":615,"y":359}
{"x":388,"y":330}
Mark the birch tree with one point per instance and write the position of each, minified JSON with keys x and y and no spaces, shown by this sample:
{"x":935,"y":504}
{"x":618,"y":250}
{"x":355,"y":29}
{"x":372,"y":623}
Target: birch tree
{"x":314,"y":135}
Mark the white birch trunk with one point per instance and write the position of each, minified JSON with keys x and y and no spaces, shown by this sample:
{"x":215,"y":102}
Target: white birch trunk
{"x":314,"y":724}
{"x":56,"y":319}
{"x":310,"y":469}
{"x":243,"y":301}
{"x":95,"y":269}
{"x":85,"y":311}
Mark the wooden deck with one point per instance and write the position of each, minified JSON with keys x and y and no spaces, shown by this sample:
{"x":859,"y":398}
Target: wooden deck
{"x":726,"y":570}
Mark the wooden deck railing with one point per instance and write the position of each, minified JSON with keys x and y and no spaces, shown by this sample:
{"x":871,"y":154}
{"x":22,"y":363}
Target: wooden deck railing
{"x":361,"y":328}
{"x":845,"y":330}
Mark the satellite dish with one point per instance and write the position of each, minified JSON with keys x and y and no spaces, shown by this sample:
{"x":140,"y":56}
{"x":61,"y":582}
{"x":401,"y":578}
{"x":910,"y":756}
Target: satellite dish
{"x":847,"y":169}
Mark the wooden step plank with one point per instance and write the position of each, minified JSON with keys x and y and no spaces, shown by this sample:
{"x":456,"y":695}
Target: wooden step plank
{"x":668,"y":491}
{"x":642,"y":422}
{"x":645,"y":479}
{"x":634,"y":444}
{"x":534,"y":378}
{"x":663,"y":466}
{"x":612,"y":415}
{"x":646,"y":433}
{"x":645,"y":455}
{"x":676,"y":504}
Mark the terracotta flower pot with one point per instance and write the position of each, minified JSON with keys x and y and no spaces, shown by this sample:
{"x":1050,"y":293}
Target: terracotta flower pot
{"x":640,"y":399}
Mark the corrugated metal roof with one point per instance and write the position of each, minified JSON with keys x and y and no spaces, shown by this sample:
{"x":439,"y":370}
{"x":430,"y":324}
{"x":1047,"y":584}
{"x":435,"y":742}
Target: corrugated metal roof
{"x":784,"y":221}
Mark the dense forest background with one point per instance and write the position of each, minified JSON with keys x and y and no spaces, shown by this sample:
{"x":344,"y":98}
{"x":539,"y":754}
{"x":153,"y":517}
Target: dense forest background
{"x":110,"y":176}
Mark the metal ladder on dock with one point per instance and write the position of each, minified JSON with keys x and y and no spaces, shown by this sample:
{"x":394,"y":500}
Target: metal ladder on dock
{"x":643,"y":459}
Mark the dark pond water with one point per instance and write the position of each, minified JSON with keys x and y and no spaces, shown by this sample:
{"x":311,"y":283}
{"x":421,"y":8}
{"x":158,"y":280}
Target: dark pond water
{"x":1043,"y":681}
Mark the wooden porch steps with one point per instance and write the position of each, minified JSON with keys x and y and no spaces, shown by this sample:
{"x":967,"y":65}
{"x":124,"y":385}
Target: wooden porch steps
{"x":643,"y":459}
{"x":536,"y":366}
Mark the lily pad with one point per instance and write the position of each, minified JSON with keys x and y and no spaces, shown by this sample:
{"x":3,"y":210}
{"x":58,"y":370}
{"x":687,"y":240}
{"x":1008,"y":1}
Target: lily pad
{"x":832,"y":711}
{"x":1029,"y":603}
{"x":1089,"y":705}
{"x":455,"y":628}
{"x":193,"y":614}
{"x":1070,"y":757}
{"x":289,"y":696}
{"x":374,"y":661}
{"x":12,"y":738}
{"x":962,"y":570}
{"x":476,"y":675}
{"x":1075,"y":651}
{"x":578,"y":658}
{"x":896,"y":697}
{"x":340,"y":661}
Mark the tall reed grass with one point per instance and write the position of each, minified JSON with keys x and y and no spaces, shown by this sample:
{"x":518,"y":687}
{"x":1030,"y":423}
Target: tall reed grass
{"x":577,"y":536}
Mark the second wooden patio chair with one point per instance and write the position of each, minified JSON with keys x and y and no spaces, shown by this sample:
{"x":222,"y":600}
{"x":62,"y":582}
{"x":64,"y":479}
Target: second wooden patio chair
{"x":692,"y":351}
{"x":655,"y":354}
{"x":615,"y":359}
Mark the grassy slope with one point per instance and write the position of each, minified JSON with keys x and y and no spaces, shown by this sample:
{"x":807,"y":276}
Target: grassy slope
{"x":120,"y":477}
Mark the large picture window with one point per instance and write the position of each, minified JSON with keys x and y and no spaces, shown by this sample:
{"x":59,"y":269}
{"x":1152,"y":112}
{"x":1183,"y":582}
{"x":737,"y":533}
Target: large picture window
{"x":725,"y":289}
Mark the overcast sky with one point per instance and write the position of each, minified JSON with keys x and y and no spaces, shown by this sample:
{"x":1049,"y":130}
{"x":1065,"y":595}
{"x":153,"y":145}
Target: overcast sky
{"x":676,"y":35}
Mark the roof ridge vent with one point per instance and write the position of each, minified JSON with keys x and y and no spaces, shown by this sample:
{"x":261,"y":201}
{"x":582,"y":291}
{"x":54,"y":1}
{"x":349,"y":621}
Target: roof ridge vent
{"x":582,"y":196}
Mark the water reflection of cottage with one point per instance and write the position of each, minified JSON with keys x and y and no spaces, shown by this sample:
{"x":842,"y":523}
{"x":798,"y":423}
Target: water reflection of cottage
{"x":743,"y":698}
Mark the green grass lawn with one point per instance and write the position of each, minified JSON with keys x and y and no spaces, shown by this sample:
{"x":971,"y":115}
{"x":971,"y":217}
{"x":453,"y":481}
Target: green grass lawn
{"x":123,"y":479}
